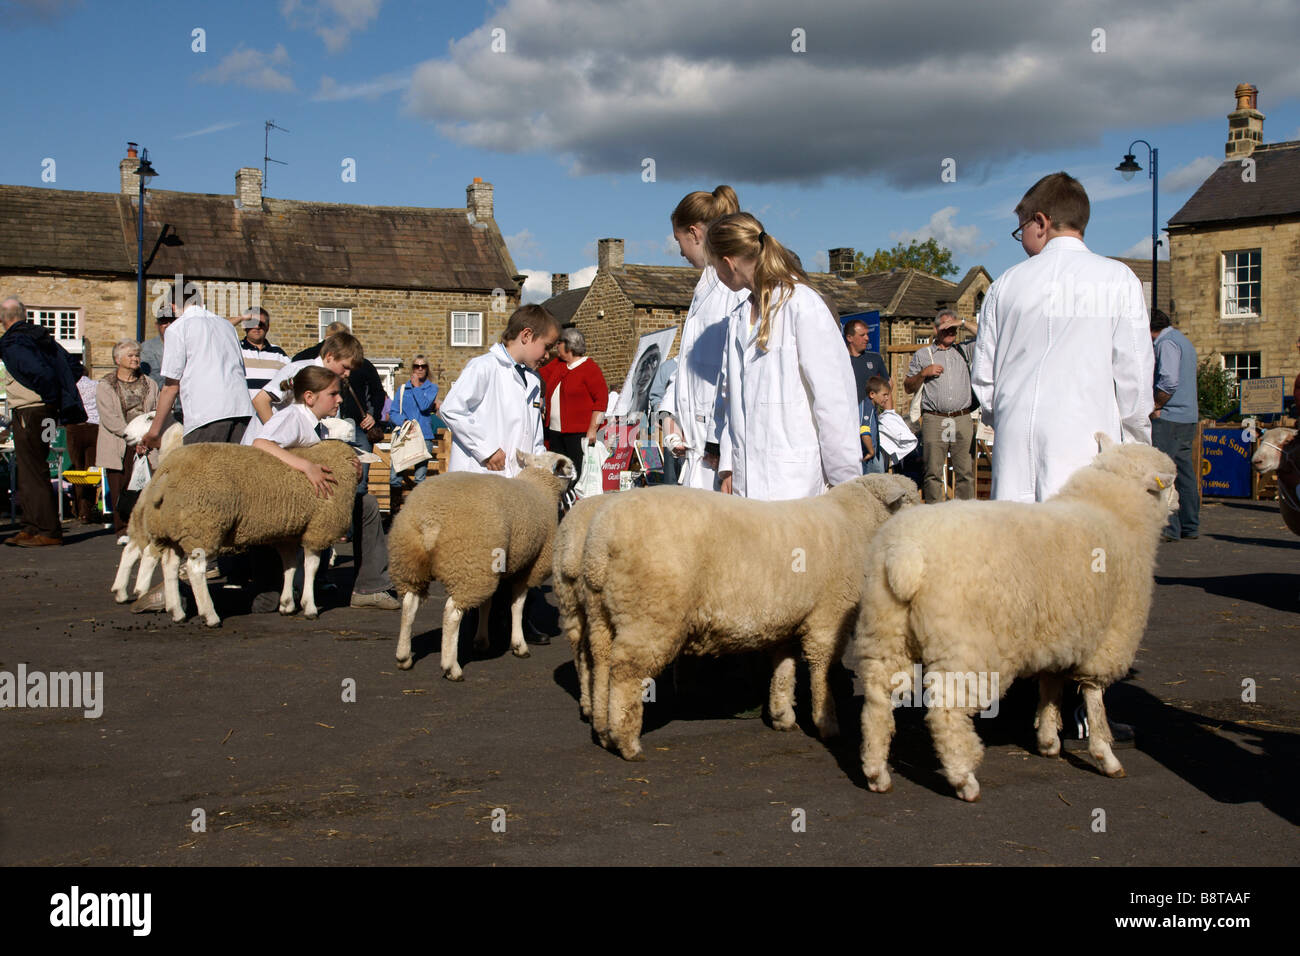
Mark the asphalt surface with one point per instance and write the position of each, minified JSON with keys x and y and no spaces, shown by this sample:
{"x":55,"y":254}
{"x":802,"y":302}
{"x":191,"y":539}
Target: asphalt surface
{"x":247,"y":723}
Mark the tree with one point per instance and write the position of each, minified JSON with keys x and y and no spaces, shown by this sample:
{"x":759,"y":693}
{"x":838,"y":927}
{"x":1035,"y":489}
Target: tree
{"x":1216,"y":390}
{"x":927,"y":256}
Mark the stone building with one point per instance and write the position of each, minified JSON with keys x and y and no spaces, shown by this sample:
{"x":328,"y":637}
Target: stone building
{"x":406,"y":279}
{"x":1235,"y":252}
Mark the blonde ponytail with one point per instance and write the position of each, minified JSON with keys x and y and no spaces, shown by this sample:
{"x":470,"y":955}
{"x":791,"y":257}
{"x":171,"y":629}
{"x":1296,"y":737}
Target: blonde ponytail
{"x":776,"y":270}
{"x":701,"y":208}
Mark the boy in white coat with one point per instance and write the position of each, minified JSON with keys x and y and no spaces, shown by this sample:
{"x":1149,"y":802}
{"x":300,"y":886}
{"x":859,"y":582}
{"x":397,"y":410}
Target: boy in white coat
{"x":495,"y":407}
{"x":1063,"y":349}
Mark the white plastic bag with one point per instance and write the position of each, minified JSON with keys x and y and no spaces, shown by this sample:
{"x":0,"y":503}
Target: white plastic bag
{"x":140,"y":474}
{"x":593,"y":456}
{"x":408,"y":448}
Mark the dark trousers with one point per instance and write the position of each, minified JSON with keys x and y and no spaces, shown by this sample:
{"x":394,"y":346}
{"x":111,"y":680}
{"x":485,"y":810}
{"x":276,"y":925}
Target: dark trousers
{"x":1175,"y":439}
{"x":81,"y":452}
{"x":118,"y":479}
{"x":571,"y":447}
{"x":32,"y":452}
{"x":229,"y":430}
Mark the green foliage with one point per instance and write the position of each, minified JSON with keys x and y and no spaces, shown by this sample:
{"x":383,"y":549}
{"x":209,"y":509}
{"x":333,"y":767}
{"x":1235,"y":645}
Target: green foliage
{"x":1216,"y":389}
{"x":927,"y":256}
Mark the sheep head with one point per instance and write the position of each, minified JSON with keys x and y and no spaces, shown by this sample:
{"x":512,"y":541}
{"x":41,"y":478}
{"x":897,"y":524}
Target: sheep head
{"x":1151,"y":468}
{"x":559,"y":471}
{"x":1271,"y":445}
{"x":893,"y":491}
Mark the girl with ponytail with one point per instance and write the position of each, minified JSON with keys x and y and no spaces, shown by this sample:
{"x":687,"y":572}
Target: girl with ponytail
{"x":691,"y":430}
{"x":787,"y":388}
{"x":315,"y":396}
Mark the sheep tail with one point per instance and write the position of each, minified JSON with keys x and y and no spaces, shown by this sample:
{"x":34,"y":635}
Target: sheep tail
{"x":905,"y":569}
{"x":155,"y":489}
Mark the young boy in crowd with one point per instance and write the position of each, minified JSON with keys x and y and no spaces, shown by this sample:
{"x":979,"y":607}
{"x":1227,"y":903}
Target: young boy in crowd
{"x":495,"y":407}
{"x":894,"y":439}
{"x":340,"y":353}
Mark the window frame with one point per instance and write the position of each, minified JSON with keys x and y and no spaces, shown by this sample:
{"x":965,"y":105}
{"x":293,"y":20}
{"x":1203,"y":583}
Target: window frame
{"x":322,"y":323}
{"x":451,"y":331}
{"x":1258,"y":283}
{"x":72,"y":345}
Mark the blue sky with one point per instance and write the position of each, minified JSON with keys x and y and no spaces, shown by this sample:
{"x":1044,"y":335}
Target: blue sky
{"x":840,"y":143}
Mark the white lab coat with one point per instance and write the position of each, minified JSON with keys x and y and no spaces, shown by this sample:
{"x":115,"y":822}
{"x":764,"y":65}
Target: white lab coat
{"x":1063,"y":351}
{"x":791,"y":427}
{"x":491,"y":406}
{"x":694,"y":391}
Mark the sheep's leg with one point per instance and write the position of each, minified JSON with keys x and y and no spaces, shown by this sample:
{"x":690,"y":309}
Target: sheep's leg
{"x":823,"y":701}
{"x":780,"y":697}
{"x":451,"y":615}
{"x":571,"y":624}
{"x":878,"y":720}
{"x":410,"y":604}
{"x":599,"y":645}
{"x":481,"y":641}
{"x":149,"y":558}
{"x":310,"y":565}
{"x":518,"y":593}
{"x":1099,"y":738}
{"x":130,"y":553}
{"x":171,"y":569}
{"x":197,"y":564}
{"x":1048,"y":718}
{"x":958,"y":746}
{"x":636,"y":656}
{"x":289,"y":566}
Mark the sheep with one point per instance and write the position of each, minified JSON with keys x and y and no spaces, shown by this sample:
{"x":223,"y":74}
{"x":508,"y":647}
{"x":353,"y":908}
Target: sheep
{"x":1275,"y":454}
{"x":566,"y":580}
{"x":669,"y":571}
{"x":469,"y":530}
{"x":1064,"y":594}
{"x":214,"y":497}
{"x":138,"y":545}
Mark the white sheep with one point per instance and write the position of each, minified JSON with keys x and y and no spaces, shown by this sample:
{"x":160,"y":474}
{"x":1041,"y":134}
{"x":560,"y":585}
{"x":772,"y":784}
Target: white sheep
{"x":669,"y":571}
{"x":566,"y":582}
{"x":1275,"y":454}
{"x":1060,"y":589}
{"x":469,"y":531}
{"x":213,"y":497}
{"x":138,"y":546}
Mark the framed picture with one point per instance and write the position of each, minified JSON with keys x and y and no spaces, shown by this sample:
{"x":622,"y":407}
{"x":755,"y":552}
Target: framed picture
{"x":651,"y":350}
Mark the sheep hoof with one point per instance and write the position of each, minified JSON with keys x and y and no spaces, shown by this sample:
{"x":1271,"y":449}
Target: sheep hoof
{"x":405,"y":664}
{"x":1116,"y":774}
{"x":453,"y":675}
{"x":970,"y":790}
{"x":312,"y":615}
{"x":121,"y":597}
{"x":783,"y":721}
{"x":584,"y":713}
{"x":633,"y":755}
{"x":1052,"y":749}
{"x":520,"y":652}
{"x":880,"y":782}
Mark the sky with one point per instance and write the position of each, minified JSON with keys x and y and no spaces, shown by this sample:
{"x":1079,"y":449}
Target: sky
{"x":838,"y":122}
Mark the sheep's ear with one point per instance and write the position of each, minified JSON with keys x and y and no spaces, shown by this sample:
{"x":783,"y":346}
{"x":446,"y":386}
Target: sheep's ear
{"x":1104,"y":441}
{"x":1162,"y":480}
{"x":894,"y":497}
{"x":523,"y":458}
{"x":564,"y":467}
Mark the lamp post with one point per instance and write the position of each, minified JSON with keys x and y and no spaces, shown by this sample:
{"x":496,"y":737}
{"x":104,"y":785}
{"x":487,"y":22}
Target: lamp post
{"x":144,"y":172}
{"x":1126,"y":169}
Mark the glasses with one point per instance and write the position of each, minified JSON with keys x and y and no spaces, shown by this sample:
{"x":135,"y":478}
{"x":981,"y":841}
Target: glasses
{"x":425,"y":367}
{"x":1019,"y":234}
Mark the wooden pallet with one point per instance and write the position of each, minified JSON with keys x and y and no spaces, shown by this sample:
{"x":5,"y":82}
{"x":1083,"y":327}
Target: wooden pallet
{"x":382,"y":490}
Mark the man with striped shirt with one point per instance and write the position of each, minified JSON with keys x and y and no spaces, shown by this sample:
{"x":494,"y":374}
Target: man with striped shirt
{"x":261,"y":359}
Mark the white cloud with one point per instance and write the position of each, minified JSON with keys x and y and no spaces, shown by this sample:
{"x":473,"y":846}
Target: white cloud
{"x":331,"y":91}
{"x":582,"y":278}
{"x":960,"y":239}
{"x":334,"y":21}
{"x":216,"y":128}
{"x":523,"y":245}
{"x":537,"y":287}
{"x":252,"y":68}
{"x":600,"y":86}
{"x":1189,"y":176}
{"x":821,"y":262}
{"x":1142,"y":248}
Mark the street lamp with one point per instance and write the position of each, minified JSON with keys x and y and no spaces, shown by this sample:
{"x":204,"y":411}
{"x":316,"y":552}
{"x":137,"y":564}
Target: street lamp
{"x":145,"y":172}
{"x":1126,"y":169}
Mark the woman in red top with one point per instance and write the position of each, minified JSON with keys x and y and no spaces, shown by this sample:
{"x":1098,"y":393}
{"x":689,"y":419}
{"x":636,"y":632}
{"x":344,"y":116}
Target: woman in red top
{"x":578,"y":400}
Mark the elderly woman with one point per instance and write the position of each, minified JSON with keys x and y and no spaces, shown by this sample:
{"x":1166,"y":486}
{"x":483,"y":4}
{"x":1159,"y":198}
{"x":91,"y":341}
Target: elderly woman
{"x":121,"y":395}
{"x":578,"y":400}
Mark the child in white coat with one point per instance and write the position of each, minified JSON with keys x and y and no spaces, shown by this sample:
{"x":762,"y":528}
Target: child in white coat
{"x":787,"y":389}
{"x":896,"y":440}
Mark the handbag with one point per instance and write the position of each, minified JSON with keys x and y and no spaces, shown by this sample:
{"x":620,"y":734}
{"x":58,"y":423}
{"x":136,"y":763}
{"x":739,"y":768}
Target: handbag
{"x":408,"y":448}
{"x":591,"y":482}
{"x":375,"y":433}
{"x":140,"y":475}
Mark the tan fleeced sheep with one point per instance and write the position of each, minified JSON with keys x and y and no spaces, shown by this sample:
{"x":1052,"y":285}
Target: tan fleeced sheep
{"x":470,"y":531}
{"x":668,"y":571}
{"x":566,"y":581}
{"x":999,"y":590}
{"x":138,"y":545}
{"x":212,"y":497}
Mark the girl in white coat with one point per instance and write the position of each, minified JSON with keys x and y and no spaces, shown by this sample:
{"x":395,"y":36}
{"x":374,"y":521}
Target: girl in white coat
{"x":787,"y":385}
{"x":692,"y":426}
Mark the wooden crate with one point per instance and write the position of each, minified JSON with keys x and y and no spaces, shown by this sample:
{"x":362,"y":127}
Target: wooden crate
{"x":379,"y":486}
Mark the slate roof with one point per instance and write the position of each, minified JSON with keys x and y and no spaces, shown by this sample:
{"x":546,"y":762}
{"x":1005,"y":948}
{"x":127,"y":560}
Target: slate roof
{"x":563,"y":306}
{"x":288,"y":241}
{"x":844,"y":293}
{"x":909,"y":293}
{"x":1223,"y":197}
{"x":668,"y":287}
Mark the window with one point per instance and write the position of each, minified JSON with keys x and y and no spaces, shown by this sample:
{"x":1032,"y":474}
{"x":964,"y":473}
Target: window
{"x":1242,"y":365}
{"x":333,"y":315}
{"x":467,"y":329}
{"x":64,"y":323}
{"x":1241,"y":285}
{"x":923,"y":339}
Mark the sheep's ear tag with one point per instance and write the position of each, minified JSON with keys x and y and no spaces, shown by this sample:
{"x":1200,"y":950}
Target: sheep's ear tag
{"x":1160,"y":484}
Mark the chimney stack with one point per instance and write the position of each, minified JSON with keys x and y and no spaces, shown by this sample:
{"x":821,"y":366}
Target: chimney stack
{"x":841,"y":262}
{"x":478,"y":200}
{"x":609,"y":255}
{"x":126,"y":170}
{"x":248,"y":188}
{"x":1245,"y":124}
{"x":559,"y":283}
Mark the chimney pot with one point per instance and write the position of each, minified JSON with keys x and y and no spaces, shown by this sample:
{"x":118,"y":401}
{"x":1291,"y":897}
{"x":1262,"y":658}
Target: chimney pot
{"x":478,"y":200}
{"x":1245,"y":123}
{"x":609,"y":255}
{"x":559,"y":283}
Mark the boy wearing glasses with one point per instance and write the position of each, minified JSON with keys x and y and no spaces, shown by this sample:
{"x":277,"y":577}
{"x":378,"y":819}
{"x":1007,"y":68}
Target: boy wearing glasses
{"x":261,"y":359}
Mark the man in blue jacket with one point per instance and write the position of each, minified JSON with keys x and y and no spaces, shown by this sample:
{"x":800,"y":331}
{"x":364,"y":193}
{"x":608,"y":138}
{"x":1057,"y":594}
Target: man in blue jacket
{"x":41,"y":393}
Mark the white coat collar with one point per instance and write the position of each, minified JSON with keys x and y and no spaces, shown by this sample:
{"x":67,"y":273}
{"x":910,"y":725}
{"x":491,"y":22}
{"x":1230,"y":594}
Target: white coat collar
{"x":1065,"y":244}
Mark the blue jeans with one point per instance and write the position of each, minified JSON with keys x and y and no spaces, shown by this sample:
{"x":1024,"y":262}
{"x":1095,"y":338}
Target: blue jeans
{"x":874,"y":465}
{"x":419,"y":473}
{"x":1175,"y":440}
